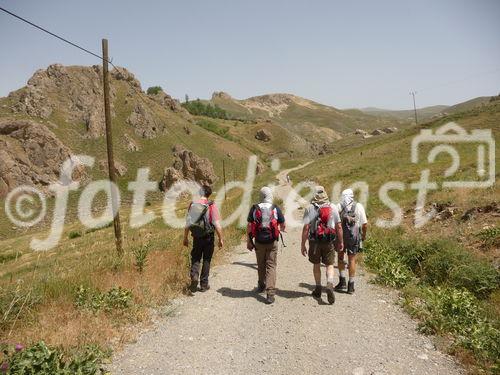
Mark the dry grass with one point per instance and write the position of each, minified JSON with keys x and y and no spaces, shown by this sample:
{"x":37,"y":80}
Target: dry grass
{"x":53,"y":277}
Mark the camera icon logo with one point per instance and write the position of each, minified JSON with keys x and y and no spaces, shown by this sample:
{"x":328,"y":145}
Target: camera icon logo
{"x":447,"y":137}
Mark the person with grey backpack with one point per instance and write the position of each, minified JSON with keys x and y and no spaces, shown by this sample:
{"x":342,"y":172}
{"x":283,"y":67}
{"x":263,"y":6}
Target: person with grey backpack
{"x":202,"y":221}
{"x":354,"y":227}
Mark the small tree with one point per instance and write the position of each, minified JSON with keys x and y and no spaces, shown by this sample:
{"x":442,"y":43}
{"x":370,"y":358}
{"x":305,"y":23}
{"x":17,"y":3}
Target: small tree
{"x":186,"y":98}
{"x":153,"y":90}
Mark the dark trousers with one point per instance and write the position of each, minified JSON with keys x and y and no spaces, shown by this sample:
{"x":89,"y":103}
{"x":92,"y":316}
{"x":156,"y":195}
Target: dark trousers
{"x":203,"y":249}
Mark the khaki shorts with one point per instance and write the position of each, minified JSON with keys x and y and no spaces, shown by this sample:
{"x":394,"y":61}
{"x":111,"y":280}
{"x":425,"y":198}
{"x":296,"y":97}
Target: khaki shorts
{"x":321,"y":252}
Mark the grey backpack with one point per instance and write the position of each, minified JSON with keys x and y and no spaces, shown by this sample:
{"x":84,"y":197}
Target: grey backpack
{"x":350,"y":228}
{"x":198,"y":220}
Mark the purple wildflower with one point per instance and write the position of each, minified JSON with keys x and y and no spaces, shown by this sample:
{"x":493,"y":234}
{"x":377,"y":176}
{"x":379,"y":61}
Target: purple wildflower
{"x":4,"y":368}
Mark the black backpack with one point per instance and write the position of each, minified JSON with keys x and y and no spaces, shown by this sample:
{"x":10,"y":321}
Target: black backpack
{"x":198,"y":220}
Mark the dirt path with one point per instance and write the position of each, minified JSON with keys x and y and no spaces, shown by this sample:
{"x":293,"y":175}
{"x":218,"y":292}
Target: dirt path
{"x":230,"y":330}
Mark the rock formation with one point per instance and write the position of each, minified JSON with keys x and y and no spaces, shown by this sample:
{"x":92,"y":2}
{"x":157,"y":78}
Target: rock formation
{"x":263,"y":135}
{"x":30,"y":154}
{"x":187,"y":166}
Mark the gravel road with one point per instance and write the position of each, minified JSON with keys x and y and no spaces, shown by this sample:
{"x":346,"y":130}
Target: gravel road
{"x":230,"y":330}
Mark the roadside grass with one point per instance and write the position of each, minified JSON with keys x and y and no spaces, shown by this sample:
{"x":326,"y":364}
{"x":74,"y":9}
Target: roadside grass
{"x":447,"y":271}
{"x":443,"y":285}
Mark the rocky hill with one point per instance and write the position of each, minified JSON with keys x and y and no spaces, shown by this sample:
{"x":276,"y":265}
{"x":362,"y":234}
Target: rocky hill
{"x":60,"y":112}
{"x":306,"y":118}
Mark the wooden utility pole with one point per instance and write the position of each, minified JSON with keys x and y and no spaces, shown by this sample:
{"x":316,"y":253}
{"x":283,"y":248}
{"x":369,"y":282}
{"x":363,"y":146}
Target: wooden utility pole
{"x":109,"y":144}
{"x":224,"y":177}
{"x":414,"y":106}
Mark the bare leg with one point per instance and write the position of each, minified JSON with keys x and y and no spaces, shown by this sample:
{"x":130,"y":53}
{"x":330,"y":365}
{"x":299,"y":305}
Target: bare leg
{"x":317,"y":273}
{"x":342,"y":279}
{"x":329,"y":273}
{"x":352,"y":265}
{"x":341,"y":263}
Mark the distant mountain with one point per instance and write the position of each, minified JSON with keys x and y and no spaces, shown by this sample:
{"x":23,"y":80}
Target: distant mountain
{"x":426,"y":113}
{"x":468,"y":105}
{"x":406,"y":115}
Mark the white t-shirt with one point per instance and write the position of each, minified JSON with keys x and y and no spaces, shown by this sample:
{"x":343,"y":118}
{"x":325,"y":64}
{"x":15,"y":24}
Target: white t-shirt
{"x":359,"y":213}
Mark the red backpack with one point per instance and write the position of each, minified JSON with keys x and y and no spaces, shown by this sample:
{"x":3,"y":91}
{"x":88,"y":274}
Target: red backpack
{"x":320,"y":230}
{"x":265,"y":227}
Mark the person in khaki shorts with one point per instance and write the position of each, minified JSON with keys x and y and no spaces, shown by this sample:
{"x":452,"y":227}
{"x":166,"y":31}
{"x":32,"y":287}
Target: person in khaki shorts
{"x":265,"y":220}
{"x":323,"y":228}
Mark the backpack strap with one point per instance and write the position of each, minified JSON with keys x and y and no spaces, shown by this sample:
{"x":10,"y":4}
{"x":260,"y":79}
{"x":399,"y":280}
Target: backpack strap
{"x":353,"y":208}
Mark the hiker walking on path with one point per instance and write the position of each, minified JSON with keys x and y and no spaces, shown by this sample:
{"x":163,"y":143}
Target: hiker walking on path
{"x":354,"y":226}
{"x":265,"y":221}
{"x":202,"y":221}
{"x":323,"y":229}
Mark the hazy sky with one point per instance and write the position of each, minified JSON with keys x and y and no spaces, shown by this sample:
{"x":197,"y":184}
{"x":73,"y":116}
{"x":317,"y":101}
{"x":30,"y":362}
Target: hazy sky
{"x":341,"y":53}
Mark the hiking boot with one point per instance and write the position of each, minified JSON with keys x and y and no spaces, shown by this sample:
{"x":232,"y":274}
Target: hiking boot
{"x":270,"y":299}
{"x":193,"y":287}
{"x":350,"y":287}
{"x":204,"y":288}
{"x":341,"y":286}
{"x":261,"y":288}
{"x":316,"y":293}
{"x":329,"y":293}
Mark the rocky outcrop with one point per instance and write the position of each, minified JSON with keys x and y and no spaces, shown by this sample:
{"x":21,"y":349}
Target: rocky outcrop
{"x":120,"y":168}
{"x":143,"y":122}
{"x":75,"y":92}
{"x":377,"y":132}
{"x":221,"y":95}
{"x":130,"y":144}
{"x":360,"y":132}
{"x":187,"y":166}
{"x":170,"y":103}
{"x":389,"y":130}
{"x":30,"y":154}
{"x":263,"y":135}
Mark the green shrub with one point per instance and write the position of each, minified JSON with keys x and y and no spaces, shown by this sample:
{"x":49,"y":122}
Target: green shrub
{"x":74,"y":234}
{"x":454,"y":266}
{"x":387,"y":263}
{"x":413,"y":253}
{"x":92,"y":299}
{"x":140,"y":255}
{"x":153,"y":90}
{"x":214,"y":128}
{"x":438,"y":262}
{"x":43,"y":360}
{"x":198,"y":108}
{"x":490,"y":237}
{"x":446,"y":310}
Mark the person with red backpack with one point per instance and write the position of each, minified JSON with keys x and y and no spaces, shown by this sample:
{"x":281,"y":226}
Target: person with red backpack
{"x":322,"y":227}
{"x":265,"y":221}
{"x":202,"y":221}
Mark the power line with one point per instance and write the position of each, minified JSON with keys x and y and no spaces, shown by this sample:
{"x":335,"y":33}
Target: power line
{"x":52,"y":34}
{"x":139,"y":93}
